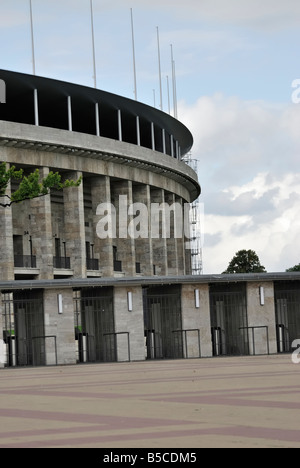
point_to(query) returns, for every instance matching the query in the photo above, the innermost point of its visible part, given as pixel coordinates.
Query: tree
(295, 268)
(245, 261)
(29, 186)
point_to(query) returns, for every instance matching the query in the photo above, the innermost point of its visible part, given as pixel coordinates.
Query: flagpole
(174, 83)
(93, 44)
(175, 91)
(168, 88)
(32, 38)
(133, 53)
(159, 69)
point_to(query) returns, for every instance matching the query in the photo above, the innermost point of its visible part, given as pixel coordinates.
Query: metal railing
(20, 352)
(115, 337)
(24, 261)
(62, 263)
(186, 343)
(117, 266)
(92, 264)
(252, 330)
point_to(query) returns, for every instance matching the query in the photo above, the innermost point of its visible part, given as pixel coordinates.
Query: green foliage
(245, 261)
(295, 268)
(30, 186)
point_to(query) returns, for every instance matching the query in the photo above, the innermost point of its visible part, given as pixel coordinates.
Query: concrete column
(101, 194)
(261, 316)
(36, 107)
(153, 136)
(59, 323)
(164, 141)
(6, 241)
(120, 125)
(122, 198)
(97, 119)
(187, 253)
(181, 243)
(143, 244)
(193, 318)
(2, 346)
(70, 123)
(172, 244)
(197, 318)
(138, 131)
(159, 242)
(74, 226)
(129, 321)
(172, 145)
(40, 230)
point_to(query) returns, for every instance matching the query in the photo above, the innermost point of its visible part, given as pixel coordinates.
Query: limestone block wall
(61, 325)
(261, 316)
(6, 244)
(70, 219)
(129, 321)
(196, 318)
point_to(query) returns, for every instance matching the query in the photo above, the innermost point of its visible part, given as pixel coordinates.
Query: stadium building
(102, 272)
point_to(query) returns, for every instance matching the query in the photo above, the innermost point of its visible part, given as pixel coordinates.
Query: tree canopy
(295, 268)
(29, 186)
(245, 261)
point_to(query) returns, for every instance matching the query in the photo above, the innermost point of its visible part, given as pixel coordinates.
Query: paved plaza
(222, 402)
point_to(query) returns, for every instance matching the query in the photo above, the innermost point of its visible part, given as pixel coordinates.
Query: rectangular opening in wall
(23, 329)
(287, 308)
(163, 322)
(94, 325)
(229, 319)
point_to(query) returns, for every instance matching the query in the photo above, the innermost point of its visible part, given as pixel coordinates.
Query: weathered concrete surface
(236, 402)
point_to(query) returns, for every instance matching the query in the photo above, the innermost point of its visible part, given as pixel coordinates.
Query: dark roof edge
(145, 281)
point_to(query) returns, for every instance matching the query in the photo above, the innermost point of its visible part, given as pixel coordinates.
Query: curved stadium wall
(125, 151)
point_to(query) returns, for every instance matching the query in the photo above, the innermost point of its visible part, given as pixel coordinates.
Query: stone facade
(105, 295)
(261, 313)
(128, 308)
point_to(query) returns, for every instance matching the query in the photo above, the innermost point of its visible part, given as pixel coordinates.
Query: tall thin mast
(93, 45)
(168, 88)
(133, 53)
(174, 83)
(175, 91)
(32, 38)
(159, 70)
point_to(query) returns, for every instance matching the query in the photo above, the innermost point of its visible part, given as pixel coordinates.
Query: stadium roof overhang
(53, 110)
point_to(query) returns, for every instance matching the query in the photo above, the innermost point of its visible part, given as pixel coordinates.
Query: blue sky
(253, 57)
(235, 61)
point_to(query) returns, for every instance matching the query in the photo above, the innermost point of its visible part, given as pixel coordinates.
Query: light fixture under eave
(130, 303)
(197, 298)
(262, 295)
(60, 304)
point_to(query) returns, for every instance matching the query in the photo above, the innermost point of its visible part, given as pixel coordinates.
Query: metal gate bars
(163, 323)
(94, 325)
(228, 308)
(23, 329)
(287, 306)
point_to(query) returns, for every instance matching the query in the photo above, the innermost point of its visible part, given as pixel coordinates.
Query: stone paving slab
(223, 402)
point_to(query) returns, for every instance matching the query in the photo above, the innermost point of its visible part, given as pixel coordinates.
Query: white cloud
(275, 236)
(249, 172)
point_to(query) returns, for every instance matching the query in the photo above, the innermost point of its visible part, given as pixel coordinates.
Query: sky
(236, 61)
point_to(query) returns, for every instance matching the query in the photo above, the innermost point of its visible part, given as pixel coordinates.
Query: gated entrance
(94, 322)
(23, 329)
(163, 323)
(228, 306)
(287, 306)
